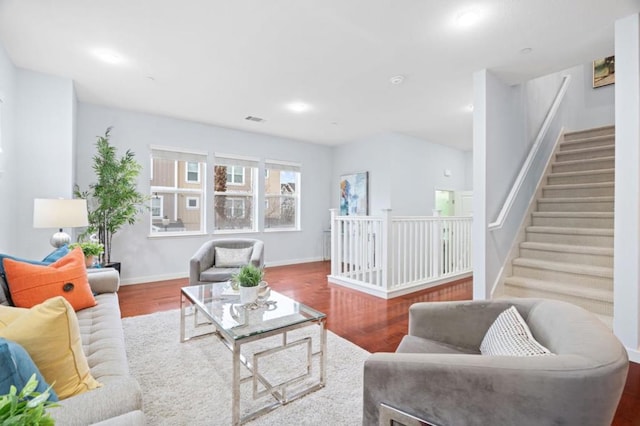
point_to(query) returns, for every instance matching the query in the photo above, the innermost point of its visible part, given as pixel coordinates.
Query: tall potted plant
(113, 200)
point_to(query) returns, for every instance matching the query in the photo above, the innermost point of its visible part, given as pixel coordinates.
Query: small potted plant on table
(92, 251)
(248, 278)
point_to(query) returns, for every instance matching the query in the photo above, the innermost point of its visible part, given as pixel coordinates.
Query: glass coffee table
(236, 324)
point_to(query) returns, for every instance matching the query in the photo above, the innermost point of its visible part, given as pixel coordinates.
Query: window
(235, 175)
(235, 189)
(156, 206)
(282, 195)
(193, 203)
(193, 172)
(176, 191)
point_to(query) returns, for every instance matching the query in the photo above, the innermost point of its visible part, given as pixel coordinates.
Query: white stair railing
(389, 256)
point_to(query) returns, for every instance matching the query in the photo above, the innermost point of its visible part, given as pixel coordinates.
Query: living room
(50, 121)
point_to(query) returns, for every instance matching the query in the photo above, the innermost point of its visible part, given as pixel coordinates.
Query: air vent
(252, 118)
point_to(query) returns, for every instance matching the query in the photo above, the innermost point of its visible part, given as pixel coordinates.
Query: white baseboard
(153, 278)
(293, 261)
(634, 355)
(164, 277)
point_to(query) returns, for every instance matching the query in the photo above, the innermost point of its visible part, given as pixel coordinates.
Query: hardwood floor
(374, 324)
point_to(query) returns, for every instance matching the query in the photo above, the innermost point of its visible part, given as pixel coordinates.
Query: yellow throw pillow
(51, 335)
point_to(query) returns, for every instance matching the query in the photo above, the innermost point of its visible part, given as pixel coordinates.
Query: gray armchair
(205, 266)
(438, 375)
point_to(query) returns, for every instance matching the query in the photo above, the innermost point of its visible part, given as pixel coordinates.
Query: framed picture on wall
(354, 194)
(604, 71)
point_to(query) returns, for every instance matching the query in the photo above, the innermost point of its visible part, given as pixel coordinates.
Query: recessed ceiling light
(298, 107)
(468, 18)
(526, 50)
(397, 79)
(109, 56)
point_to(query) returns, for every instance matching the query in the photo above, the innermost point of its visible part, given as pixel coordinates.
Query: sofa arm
(257, 255)
(103, 280)
(483, 390)
(461, 323)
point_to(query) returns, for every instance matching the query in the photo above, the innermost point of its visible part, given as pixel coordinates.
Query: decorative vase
(89, 261)
(248, 294)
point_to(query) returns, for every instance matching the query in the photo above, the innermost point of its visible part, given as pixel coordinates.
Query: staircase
(568, 249)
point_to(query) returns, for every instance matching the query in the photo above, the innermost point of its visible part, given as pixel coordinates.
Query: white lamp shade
(59, 213)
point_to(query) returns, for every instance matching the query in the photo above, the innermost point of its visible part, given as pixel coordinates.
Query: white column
(626, 276)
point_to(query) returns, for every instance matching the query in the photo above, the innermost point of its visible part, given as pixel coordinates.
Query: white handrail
(508, 203)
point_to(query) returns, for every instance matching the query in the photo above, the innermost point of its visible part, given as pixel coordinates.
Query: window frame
(233, 190)
(186, 203)
(186, 172)
(283, 166)
(177, 155)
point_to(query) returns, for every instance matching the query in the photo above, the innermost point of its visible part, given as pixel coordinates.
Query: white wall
(468, 167)
(9, 156)
(626, 276)
(148, 259)
(404, 172)
(44, 122)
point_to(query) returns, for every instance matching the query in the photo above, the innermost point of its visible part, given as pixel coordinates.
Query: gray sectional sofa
(119, 400)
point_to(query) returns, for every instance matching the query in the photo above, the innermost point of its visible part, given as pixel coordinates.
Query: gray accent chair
(438, 374)
(202, 266)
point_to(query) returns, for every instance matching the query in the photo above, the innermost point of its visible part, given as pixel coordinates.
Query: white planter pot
(248, 294)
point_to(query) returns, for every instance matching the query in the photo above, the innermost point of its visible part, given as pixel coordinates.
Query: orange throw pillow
(33, 284)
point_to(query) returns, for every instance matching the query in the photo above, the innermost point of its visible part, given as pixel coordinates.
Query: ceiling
(219, 61)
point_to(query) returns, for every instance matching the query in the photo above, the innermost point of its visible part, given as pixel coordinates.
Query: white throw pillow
(232, 257)
(509, 335)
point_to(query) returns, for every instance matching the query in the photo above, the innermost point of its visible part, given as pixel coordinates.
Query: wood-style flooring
(374, 324)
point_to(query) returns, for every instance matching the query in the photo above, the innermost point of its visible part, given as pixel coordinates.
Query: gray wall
(152, 258)
(404, 172)
(9, 156)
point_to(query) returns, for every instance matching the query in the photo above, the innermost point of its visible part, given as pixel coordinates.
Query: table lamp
(59, 213)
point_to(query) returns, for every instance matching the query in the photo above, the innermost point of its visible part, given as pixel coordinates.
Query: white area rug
(190, 383)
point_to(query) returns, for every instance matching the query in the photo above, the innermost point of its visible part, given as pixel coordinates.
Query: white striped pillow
(509, 335)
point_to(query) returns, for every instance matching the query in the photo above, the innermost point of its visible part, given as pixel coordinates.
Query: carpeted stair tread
(580, 173)
(597, 215)
(572, 268)
(600, 199)
(588, 150)
(586, 160)
(570, 231)
(572, 290)
(595, 132)
(579, 185)
(567, 248)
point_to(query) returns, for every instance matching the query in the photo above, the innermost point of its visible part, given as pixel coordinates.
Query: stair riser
(576, 240)
(604, 151)
(594, 178)
(591, 133)
(588, 281)
(565, 147)
(597, 206)
(574, 222)
(579, 258)
(583, 166)
(595, 306)
(605, 191)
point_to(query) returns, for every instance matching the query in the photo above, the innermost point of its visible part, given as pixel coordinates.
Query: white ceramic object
(248, 294)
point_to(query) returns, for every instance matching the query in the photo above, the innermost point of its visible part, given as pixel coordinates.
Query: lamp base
(59, 239)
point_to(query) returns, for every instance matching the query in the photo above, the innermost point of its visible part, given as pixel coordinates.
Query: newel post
(387, 240)
(334, 242)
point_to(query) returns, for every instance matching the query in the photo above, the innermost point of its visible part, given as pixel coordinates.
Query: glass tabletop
(221, 303)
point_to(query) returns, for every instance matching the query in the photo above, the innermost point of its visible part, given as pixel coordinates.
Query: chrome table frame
(277, 391)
